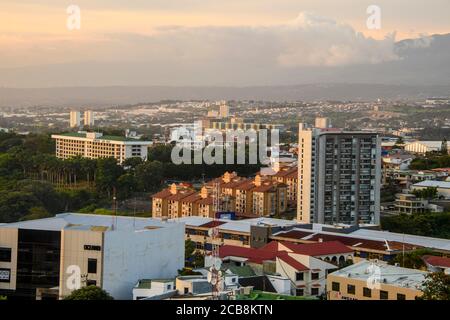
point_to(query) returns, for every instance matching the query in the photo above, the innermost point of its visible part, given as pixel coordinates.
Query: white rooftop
(388, 274)
(433, 183)
(81, 221)
(237, 225)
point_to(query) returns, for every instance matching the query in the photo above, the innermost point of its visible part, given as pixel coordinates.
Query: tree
(399, 141)
(413, 259)
(431, 224)
(189, 249)
(444, 147)
(89, 293)
(107, 174)
(36, 213)
(428, 193)
(436, 286)
(199, 260)
(149, 175)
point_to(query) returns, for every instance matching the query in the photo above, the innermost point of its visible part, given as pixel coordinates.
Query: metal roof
(91, 222)
(387, 274)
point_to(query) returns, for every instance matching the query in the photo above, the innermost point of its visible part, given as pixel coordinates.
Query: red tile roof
(284, 256)
(319, 248)
(253, 255)
(248, 185)
(162, 194)
(192, 198)
(436, 261)
(212, 224)
(348, 241)
(207, 200)
(180, 195)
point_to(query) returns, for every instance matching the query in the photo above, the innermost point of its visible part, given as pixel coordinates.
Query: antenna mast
(215, 273)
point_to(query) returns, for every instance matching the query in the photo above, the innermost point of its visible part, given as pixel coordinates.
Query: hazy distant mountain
(423, 69)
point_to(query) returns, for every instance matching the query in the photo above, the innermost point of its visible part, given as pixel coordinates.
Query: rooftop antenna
(215, 275)
(134, 214)
(114, 209)
(403, 251)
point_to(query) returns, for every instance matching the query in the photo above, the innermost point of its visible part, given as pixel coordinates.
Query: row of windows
(367, 292)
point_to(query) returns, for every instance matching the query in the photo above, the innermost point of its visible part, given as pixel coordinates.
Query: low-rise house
(442, 187)
(409, 204)
(154, 289)
(305, 266)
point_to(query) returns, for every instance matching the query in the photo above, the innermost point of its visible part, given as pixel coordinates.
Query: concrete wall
(73, 253)
(149, 254)
(8, 239)
(410, 293)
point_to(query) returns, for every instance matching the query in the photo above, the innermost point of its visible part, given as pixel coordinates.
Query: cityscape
(308, 181)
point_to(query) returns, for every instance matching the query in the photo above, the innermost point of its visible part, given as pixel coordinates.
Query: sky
(192, 33)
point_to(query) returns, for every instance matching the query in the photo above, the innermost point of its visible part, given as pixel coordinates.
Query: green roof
(243, 271)
(73, 134)
(107, 137)
(260, 295)
(116, 138)
(147, 283)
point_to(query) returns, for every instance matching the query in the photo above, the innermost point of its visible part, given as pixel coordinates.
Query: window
(186, 290)
(5, 255)
(384, 295)
(335, 286)
(401, 296)
(92, 265)
(299, 276)
(5, 275)
(299, 292)
(351, 289)
(169, 287)
(91, 283)
(314, 276)
(315, 291)
(367, 292)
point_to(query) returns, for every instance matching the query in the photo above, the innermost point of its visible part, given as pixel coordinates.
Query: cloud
(307, 49)
(310, 40)
(307, 41)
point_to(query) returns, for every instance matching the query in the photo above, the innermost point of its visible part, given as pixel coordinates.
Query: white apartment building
(75, 119)
(89, 118)
(339, 176)
(95, 145)
(45, 258)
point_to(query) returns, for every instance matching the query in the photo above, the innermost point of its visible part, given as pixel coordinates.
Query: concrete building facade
(54, 256)
(95, 145)
(339, 176)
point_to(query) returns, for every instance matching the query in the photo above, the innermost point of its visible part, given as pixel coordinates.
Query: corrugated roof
(433, 184)
(436, 261)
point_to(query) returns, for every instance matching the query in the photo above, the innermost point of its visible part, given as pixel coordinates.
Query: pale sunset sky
(285, 32)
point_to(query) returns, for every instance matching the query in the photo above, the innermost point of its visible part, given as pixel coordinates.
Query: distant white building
(443, 187)
(89, 118)
(95, 145)
(75, 119)
(422, 147)
(224, 111)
